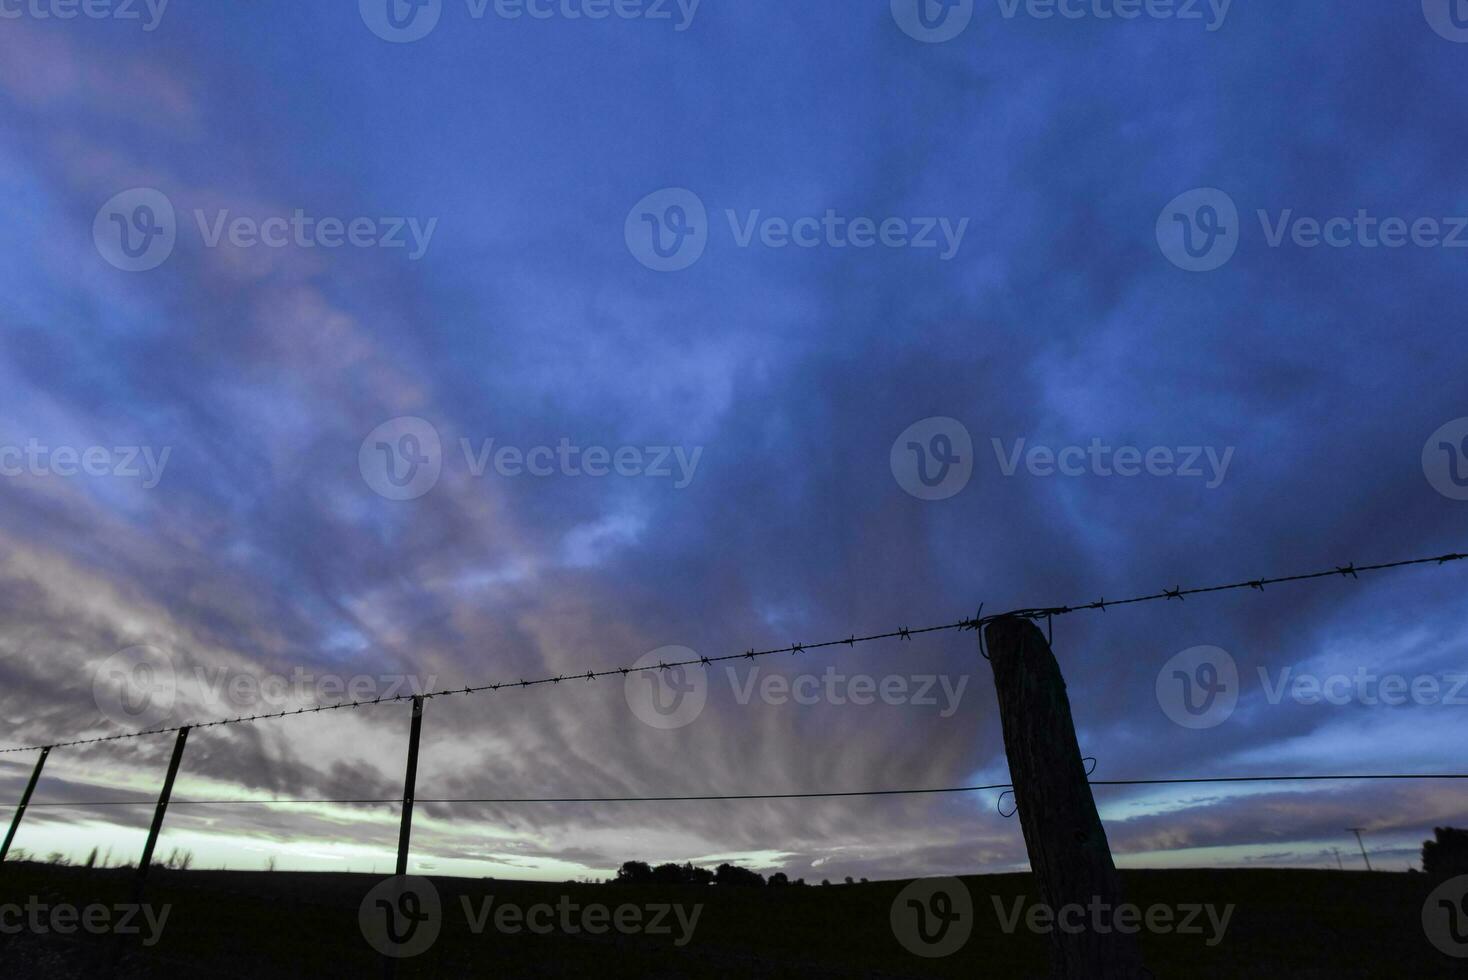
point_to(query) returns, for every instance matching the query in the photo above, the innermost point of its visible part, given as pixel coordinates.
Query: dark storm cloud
(263, 550)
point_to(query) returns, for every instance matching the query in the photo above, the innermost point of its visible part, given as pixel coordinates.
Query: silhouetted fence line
(1065, 839)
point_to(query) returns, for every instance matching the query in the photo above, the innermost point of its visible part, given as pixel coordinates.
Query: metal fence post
(178, 748)
(410, 784)
(24, 802)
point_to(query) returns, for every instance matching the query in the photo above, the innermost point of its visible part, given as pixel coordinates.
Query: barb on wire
(904, 633)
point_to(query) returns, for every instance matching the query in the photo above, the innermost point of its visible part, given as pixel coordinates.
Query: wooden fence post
(1067, 845)
(410, 785)
(25, 801)
(163, 798)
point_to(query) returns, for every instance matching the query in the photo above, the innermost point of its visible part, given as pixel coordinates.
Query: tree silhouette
(1447, 854)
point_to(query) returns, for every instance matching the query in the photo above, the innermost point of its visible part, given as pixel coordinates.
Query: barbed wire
(978, 622)
(711, 798)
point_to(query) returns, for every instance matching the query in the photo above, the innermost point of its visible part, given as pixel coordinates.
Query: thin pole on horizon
(146, 861)
(25, 801)
(410, 785)
(1362, 844)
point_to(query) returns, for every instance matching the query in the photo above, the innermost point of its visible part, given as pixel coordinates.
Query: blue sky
(757, 394)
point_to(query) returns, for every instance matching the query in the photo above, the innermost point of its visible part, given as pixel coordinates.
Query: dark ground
(240, 924)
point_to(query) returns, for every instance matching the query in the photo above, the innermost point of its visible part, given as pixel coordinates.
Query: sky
(413, 347)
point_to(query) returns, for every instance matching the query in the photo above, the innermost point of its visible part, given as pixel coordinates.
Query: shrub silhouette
(642, 873)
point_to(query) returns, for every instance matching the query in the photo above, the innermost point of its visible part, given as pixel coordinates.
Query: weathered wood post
(25, 801)
(1067, 845)
(410, 785)
(405, 830)
(140, 879)
(158, 814)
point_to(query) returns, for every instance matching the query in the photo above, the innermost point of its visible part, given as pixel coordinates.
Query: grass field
(239, 924)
